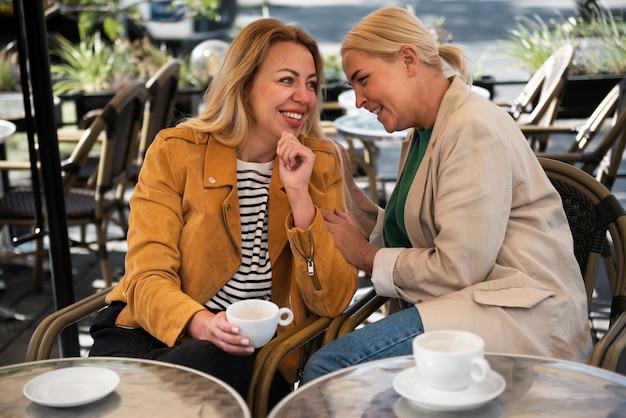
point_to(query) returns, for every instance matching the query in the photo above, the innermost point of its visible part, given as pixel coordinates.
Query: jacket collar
(220, 165)
(220, 170)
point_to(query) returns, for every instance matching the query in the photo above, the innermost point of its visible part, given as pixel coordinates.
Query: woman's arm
(327, 282)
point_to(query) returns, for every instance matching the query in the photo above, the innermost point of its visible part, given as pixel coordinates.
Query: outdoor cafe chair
(309, 335)
(538, 102)
(597, 220)
(602, 157)
(102, 196)
(118, 125)
(18, 212)
(162, 88)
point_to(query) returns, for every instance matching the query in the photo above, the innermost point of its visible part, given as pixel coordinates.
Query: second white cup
(449, 359)
(257, 319)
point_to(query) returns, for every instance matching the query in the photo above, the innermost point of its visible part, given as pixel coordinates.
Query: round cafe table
(146, 389)
(535, 387)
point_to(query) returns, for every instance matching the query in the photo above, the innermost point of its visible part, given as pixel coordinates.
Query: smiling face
(385, 87)
(282, 94)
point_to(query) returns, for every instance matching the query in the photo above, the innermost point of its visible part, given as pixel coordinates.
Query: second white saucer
(410, 385)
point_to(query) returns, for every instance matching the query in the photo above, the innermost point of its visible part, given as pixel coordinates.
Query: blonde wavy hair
(227, 115)
(384, 32)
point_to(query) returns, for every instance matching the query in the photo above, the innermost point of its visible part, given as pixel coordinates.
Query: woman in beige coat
(474, 236)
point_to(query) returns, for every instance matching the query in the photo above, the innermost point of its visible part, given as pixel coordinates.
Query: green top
(394, 229)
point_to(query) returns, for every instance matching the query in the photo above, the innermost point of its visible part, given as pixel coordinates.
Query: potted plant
(12, 99)
(89, 73)
(106, 56)
(599, 59)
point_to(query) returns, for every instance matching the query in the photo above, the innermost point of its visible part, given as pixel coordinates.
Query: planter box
(583, 93)
(187, 104)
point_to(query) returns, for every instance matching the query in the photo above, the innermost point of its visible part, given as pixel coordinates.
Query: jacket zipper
(309, 260)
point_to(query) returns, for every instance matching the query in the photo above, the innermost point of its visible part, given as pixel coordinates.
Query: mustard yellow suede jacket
(184, 241)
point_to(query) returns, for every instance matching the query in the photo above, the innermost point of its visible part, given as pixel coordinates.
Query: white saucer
(410, 385)
(71, 386)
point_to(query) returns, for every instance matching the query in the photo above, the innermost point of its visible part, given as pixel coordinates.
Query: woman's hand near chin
(296, 166)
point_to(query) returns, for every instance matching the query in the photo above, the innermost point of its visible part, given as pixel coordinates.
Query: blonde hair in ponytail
(384, 32)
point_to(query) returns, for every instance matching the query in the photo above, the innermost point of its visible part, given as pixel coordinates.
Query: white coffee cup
(449, 359)
(257, 319)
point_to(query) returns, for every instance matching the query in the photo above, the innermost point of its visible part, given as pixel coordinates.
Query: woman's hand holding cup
(257, 319)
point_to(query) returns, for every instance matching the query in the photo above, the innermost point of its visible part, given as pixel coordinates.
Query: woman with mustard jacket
(227, 207)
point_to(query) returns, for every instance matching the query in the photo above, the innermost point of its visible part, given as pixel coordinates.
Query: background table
(365, 127)
(7, 129)
(534, 387)
(146, 389)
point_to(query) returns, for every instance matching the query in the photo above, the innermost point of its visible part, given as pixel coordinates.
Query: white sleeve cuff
(382, 272)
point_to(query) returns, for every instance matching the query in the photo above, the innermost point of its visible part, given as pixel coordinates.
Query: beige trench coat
(491, 252)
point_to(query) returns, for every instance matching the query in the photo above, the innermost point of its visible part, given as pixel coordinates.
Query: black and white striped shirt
(253, 279)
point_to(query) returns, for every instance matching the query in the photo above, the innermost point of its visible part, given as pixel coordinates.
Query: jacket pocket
(518, 292)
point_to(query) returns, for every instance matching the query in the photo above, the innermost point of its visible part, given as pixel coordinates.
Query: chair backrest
(123, 117)
(604, 111)
(117, 125)
(603, 160)
(162, 88)
(610, 150)
(592, 212)
(546, 86)
(598, 224)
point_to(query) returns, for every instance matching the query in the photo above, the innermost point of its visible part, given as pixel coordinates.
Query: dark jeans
(113, 341)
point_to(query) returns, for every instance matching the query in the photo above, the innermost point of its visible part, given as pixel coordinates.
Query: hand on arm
(349, 239)
(296, 166)
(205, 325)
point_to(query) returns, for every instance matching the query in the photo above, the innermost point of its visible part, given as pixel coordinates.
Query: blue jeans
(389, 337)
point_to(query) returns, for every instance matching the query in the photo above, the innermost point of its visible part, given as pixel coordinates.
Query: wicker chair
(308, 335)
(102, 196)
(117, 127)
(593, 214)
